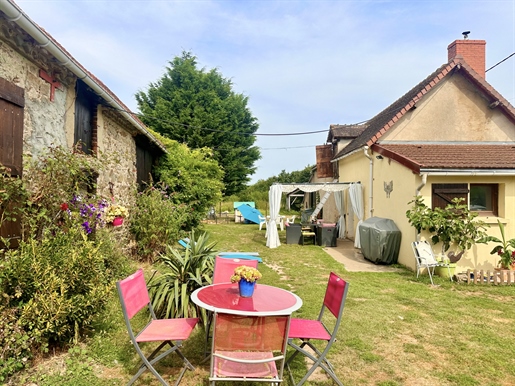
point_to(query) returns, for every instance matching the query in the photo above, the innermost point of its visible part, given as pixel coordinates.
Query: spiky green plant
(180, 273)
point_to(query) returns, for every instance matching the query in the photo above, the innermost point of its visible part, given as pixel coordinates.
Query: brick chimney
(473, 51)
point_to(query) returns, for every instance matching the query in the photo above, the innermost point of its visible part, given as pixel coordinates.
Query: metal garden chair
(134, 297)
(306, 330)
(425, 258)
(248, 348)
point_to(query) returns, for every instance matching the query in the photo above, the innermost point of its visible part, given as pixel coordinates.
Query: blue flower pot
(246, 288)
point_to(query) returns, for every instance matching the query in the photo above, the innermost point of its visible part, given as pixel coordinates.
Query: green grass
(397, 329)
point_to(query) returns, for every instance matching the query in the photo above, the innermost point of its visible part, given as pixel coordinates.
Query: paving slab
(353, 259)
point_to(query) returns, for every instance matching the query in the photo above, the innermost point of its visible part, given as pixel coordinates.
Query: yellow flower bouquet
(247, 273)
(113, 211)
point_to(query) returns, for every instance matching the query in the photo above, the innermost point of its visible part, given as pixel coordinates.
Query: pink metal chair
(248, 348)
(224, 268)
(222, 272)
(134, 297)
(307, 330)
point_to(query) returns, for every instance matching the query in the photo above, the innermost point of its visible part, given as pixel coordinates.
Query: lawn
(396, 330)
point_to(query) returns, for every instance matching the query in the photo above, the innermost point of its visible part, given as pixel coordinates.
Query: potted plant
(505, 249)
(454, 226)
(114, 214)
(246, 278)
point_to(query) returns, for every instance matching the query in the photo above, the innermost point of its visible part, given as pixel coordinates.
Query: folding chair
(307, 330)
(248, 348)
(224, 267)
(306, 234)
(134, 297)
(222, 272)
(425, 258)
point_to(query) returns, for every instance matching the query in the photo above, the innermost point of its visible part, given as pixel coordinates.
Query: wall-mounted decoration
(388, 188)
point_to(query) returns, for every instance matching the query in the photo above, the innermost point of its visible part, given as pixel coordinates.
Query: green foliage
(454, 225)
(182, 272)
(57, 285)
(57, 280)
(199, 108)
(191, 177)
(15, 343)
(505, 248)
(157, 221)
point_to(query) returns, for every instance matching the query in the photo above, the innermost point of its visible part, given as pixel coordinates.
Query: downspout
(371, 181)
(417, 193)
(419, 188)
(15, 15)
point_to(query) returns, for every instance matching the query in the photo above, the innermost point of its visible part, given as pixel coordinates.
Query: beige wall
(453, 112)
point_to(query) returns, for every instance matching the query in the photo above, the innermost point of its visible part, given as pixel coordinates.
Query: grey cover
(380, 240)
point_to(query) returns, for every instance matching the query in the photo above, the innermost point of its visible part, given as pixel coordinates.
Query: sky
(303, 65)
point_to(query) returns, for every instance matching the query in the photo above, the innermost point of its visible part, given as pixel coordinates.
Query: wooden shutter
(443, 194)
(12, 102)
(324, 153)
(11, 126)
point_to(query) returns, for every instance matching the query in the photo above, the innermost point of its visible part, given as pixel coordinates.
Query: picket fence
(497, 277)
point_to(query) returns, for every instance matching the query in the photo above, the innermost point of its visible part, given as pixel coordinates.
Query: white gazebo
(355, 196)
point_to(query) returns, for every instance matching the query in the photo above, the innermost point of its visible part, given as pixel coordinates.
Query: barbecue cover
(380, 240)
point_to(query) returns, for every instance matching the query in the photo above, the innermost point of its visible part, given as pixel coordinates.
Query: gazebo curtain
(276, 191)
(356, 200)
(340, 207)
(274, 197)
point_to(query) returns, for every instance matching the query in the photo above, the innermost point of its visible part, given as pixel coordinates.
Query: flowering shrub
(247, 273)
(88, 214)
(113, 211)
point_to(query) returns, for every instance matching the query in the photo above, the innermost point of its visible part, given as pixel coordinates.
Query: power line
(219, 131)
(495, 65)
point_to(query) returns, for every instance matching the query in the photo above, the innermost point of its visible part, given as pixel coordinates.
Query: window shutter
(443, 194)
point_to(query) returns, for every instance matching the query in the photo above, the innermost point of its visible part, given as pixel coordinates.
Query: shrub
(157, 221)
(57, 285)
(182, 272)
(15, 343)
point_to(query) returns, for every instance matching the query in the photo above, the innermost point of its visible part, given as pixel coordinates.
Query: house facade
(452, 135)
(49, 99)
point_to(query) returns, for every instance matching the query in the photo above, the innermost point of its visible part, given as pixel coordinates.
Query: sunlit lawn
(397, 330)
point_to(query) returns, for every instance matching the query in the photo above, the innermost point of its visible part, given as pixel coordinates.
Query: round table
(267, 300)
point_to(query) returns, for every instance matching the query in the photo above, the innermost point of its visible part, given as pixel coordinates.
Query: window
(482, 198)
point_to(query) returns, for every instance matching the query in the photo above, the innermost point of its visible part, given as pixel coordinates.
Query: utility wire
(495, 65)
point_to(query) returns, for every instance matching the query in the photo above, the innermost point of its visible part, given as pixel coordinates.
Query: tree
(192, 177)
(199, 108)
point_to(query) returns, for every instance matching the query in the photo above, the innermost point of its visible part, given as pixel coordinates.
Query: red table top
(267, 300)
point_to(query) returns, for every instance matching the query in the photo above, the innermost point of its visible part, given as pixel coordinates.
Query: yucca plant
(180, 273)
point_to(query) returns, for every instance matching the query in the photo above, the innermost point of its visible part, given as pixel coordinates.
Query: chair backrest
(133, 293)
(423, 252)
(250, 333)
(335, 295)
(224, 268)
(249, 347)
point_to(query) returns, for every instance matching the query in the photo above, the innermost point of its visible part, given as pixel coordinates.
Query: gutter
(17, 16)
(469, 172)
(371, 181)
